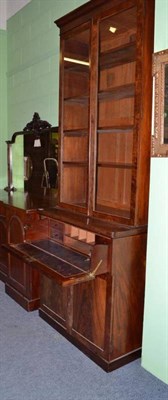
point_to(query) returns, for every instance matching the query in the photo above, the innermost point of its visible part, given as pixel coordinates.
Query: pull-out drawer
(65, 265)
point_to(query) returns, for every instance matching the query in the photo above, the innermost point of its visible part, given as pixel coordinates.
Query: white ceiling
(9, 8)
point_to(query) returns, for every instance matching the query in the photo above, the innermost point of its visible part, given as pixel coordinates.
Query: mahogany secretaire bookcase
(92, 261)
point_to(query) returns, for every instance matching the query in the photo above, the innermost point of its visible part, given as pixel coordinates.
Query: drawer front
(56, 231)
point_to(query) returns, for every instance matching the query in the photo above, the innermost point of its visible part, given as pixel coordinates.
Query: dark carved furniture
(92, 260)
(38, 144)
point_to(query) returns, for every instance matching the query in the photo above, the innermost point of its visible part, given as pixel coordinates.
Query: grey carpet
(37, 363)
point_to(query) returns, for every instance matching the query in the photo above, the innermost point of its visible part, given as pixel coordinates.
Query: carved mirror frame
(160, 96)
(36, 127)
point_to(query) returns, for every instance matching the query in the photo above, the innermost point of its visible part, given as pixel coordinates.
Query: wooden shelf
(73, 133)
(78, 99)
(115, 129)
(75, 163)
(118, 56)
(114, 165)
(79, 68)
(125, 213)
(119, 92)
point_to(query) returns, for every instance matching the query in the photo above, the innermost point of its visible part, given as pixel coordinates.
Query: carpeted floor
(37, 363)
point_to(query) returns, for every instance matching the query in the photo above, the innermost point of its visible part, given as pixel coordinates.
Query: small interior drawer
(56, 231)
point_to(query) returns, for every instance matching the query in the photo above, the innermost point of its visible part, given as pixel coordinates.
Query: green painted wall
(33, 67)
(161, 25)
(3, 107)
(155, 331)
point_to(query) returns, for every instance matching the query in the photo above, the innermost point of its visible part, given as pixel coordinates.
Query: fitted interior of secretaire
(72, 236)
(115, 118)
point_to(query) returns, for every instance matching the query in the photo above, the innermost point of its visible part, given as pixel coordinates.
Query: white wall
(9, 8)
(155, 331)
(3, 12)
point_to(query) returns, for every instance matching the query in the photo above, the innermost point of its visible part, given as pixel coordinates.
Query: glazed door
(115, 117)
(74, 118)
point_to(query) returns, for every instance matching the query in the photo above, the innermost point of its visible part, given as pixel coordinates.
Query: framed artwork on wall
(160, 95)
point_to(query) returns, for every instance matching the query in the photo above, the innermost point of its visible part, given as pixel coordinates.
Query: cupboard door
(75, 121)
(54, 300)
(115, 121)
(89, 313)
(3, 253)
(18, 270)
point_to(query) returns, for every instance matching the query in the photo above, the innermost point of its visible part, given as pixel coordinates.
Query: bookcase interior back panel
(75, 148)
(117, 76)
(116, 113)
(76, 80)
(80, 79)
(115, 146)
(76, 177)
(114, 190)
(123, 29)
(80, 110)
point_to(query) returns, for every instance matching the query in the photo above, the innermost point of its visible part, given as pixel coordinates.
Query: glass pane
(113, 190)
(74, 185)
(76, 81)
(115, 146)
(75, 148)
(76, 89)
(115, 121)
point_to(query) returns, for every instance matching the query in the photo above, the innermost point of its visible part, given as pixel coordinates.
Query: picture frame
(160, 104)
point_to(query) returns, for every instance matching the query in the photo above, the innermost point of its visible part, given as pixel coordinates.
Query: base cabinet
(22, 281)
(103, 317)
(19, 286)
(87, 283)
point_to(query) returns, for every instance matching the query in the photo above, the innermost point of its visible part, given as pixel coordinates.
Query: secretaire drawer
(56, 230)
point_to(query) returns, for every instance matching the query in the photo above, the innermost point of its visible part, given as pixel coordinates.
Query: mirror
(37, 149)
(28, 168)
(160, 127)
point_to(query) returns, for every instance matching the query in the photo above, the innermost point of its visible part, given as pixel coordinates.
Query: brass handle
(27, 227)
(28, 259)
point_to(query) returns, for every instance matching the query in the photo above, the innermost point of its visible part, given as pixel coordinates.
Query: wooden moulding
(159, 146)
(105, 365)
